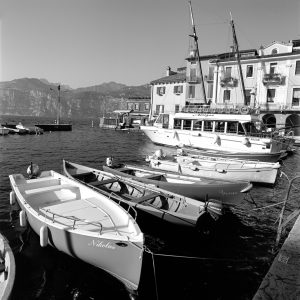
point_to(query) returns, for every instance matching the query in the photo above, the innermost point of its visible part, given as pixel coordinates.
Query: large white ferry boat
(213, 128)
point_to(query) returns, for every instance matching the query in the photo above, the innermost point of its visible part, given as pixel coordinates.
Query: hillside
(38, 97)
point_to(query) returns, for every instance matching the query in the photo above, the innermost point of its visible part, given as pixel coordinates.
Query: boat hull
(228, 193)
(55, 127)
(219, 170)
(116, 254)
(211, 141)
(7, 278)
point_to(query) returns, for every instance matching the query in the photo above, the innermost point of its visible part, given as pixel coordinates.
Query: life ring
(236, 111)
(244, 110)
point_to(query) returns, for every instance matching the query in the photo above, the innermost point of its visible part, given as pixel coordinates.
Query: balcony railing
(228, 82)
(193, 79)
(273, 79)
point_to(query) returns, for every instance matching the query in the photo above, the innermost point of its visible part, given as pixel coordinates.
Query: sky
(83, 43)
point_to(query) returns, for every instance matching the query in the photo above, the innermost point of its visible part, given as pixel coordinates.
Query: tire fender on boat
(22, 217)
(12, 198)
(245, 141)
(217, 139)
(44, 236)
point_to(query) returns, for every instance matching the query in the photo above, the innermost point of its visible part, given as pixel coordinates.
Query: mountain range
(38, 97)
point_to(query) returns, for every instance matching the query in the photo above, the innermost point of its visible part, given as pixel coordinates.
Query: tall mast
(194, 36)
(236, 49)
(58, 106)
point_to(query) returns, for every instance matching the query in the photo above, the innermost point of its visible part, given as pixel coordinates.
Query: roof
(126, 111)
(178, 77)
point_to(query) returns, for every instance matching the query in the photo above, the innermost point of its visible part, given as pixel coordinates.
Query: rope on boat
(154, 271)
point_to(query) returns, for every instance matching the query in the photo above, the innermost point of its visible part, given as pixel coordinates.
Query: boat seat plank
(151, 176)
(49, 189)
(103, 182)
(123, 169)
(143, 198)
(83, 174)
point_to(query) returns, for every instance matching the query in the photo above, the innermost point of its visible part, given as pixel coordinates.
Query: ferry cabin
(215, 131)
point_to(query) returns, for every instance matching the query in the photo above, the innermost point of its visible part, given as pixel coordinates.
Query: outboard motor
(33, 171)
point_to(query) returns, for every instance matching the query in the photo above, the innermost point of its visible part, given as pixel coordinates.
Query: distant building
(140, 109)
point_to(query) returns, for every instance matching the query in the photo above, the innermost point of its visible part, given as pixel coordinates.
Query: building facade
(271, 77)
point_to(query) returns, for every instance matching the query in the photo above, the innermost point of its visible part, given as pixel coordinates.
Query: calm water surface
(230, 264)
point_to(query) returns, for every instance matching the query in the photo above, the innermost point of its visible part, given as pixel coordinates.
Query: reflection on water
(230, 264)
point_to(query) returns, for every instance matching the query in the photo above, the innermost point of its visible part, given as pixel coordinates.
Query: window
(219, 126)
(249, 72)
(270, 95)
(193, 76)
(160, 90)
(273, 68)
(296, 97)
(297, 70)
(159, 109)
(176, 108)
(191, 91)
(232, 127)
(177, 123)
(208, 125)
(187, 124)
(147, 106)
(136, 106)
(197, 125)
(274, 51)
(226, 95)
(210, 90)
(178, 89)
(130, 105)
(228, 72)
(248, 96)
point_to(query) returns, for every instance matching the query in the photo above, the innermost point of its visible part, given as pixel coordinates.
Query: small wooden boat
(265, 157)
(7, 269)
(216, 168)
(227, 192)
(165, 205)
(4, 130)
(79, 221)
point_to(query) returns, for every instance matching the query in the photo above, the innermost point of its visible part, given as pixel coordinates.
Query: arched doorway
(293, 121)
(269, 120)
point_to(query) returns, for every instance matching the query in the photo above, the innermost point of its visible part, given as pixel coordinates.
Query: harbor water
(230, 263)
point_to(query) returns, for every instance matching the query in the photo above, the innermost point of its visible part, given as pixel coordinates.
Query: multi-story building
(271, 78)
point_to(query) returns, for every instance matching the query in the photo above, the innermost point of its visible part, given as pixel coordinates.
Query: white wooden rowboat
(82, 223)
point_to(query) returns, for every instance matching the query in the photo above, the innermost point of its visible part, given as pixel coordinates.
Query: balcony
(273, 79)
(209, 78)
(193, 79)
(228, 82)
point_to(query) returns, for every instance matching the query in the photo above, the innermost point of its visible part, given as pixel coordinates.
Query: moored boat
(265, 157)
(214, 129)
(82, 223)
(30, 129)
(217, 168)
(227, 192)
(7, 269)
(159, 203)
(4, 130)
